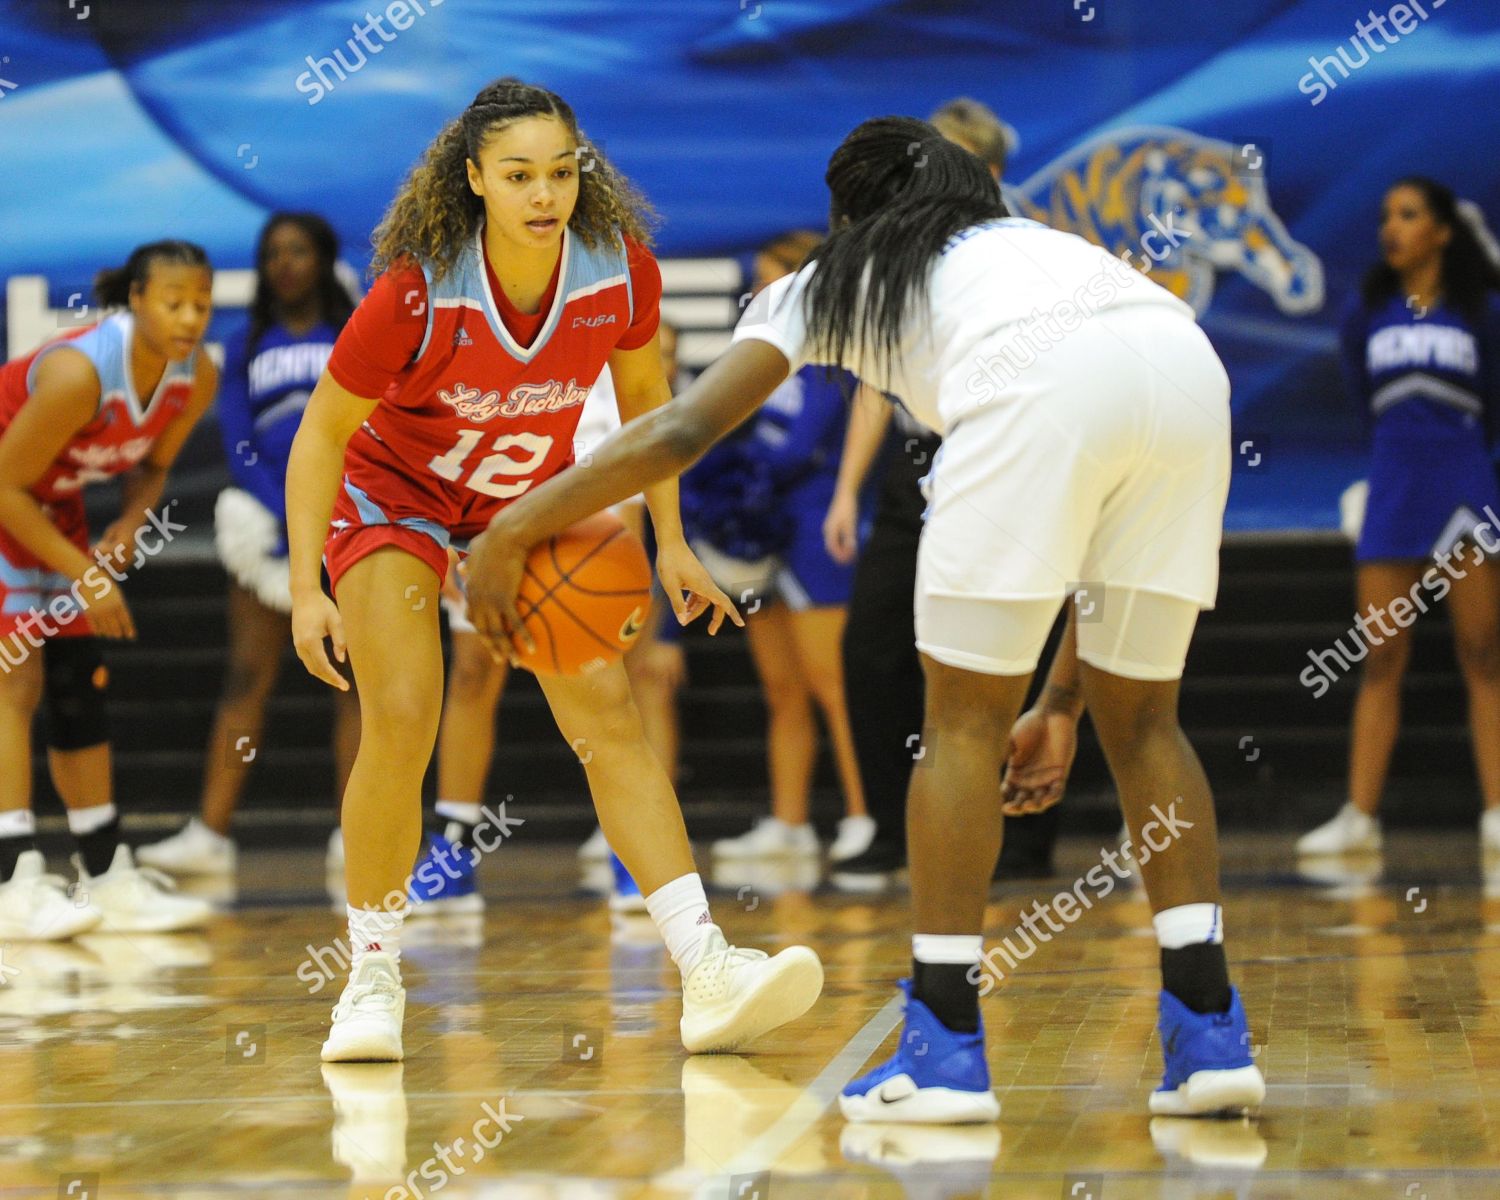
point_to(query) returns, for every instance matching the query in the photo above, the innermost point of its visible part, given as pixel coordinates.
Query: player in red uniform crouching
(515, 268)
(119, 397)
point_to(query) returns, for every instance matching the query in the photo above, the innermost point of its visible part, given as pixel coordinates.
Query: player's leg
(816, 591)
(79, 753)
(21, 683)
(465, 748)
(1131, 669)
(729, 995)
(466, 735)
(258, 636)
(977, 656)
(345, 737)
(657, 666)
(389, 603)
(1377, 711)
(32, 906)
(791, 742)
(345, 747)
(818, 633)
(1474, 608)
(656, 663)
(882, 669)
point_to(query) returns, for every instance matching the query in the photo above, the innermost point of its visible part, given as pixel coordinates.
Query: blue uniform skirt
(1425, 495)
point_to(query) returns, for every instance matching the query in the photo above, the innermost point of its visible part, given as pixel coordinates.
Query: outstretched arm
(640, 388)
(661, 444)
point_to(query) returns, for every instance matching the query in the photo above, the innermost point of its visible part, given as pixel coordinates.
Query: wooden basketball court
(543, 1060)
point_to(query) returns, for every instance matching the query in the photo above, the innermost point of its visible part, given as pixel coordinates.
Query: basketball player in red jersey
(514, 268)
(119, 397)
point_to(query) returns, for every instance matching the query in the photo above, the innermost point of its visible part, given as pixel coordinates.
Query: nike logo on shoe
(904, 1088)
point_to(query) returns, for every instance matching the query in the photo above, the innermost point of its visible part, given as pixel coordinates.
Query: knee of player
(401, 710)
(1386, 663)
(1137, 722)
(249, 679)
(828, 691)
(1479, 655)
(785, 691)
(21, 685)
(475, 678)
(616, 728)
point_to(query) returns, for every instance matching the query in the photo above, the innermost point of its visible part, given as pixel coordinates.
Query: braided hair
(899, 191)
(435, 213)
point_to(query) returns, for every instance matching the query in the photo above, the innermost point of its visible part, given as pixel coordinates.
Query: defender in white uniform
(1085, 420)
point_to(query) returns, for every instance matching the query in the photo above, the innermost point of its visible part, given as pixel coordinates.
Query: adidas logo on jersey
(462, 338)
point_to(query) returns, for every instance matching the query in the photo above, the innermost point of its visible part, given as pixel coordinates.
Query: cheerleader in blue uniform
(300, 305)
(1421, 351)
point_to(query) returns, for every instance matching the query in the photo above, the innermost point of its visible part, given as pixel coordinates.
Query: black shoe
(879, 858)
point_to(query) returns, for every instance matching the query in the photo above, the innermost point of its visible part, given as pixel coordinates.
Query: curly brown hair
(436, 212)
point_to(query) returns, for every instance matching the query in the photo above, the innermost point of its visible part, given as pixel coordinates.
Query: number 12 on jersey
(534, 446)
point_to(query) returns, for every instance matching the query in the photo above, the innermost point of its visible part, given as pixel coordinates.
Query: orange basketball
(585, 597)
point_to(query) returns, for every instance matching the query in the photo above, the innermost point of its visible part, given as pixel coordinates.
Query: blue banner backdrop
(1266, 131)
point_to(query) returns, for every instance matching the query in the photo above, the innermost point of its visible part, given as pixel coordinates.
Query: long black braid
(899, 191)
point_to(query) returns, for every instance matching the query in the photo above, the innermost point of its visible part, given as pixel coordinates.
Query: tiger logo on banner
(1121, 190)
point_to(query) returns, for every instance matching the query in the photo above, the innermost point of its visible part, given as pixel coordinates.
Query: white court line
(805, 1112)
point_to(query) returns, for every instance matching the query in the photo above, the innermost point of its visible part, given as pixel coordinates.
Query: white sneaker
(35, 906)
(1349, 832)
(854, 838)
(1489, 831)
(367, 1018)
(734, 995)
(596, 849)
(194, 850)
(132, 899)
(770, 838)
(335, 859)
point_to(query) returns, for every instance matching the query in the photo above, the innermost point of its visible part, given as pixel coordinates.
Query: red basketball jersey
(124, 430)
(474, 416)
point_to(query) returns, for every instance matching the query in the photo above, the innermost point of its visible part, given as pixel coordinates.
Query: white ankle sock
(457, 810)
(958, 949)
(1189, 925)
(83, 821)
(373, 929)
(680, 910)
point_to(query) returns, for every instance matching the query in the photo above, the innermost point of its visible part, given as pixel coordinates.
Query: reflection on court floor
(543, 1061)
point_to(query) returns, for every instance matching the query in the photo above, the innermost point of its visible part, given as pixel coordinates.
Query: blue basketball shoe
(937, 1077)
(443, 882)
(1209, 1068)
(626, 896)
